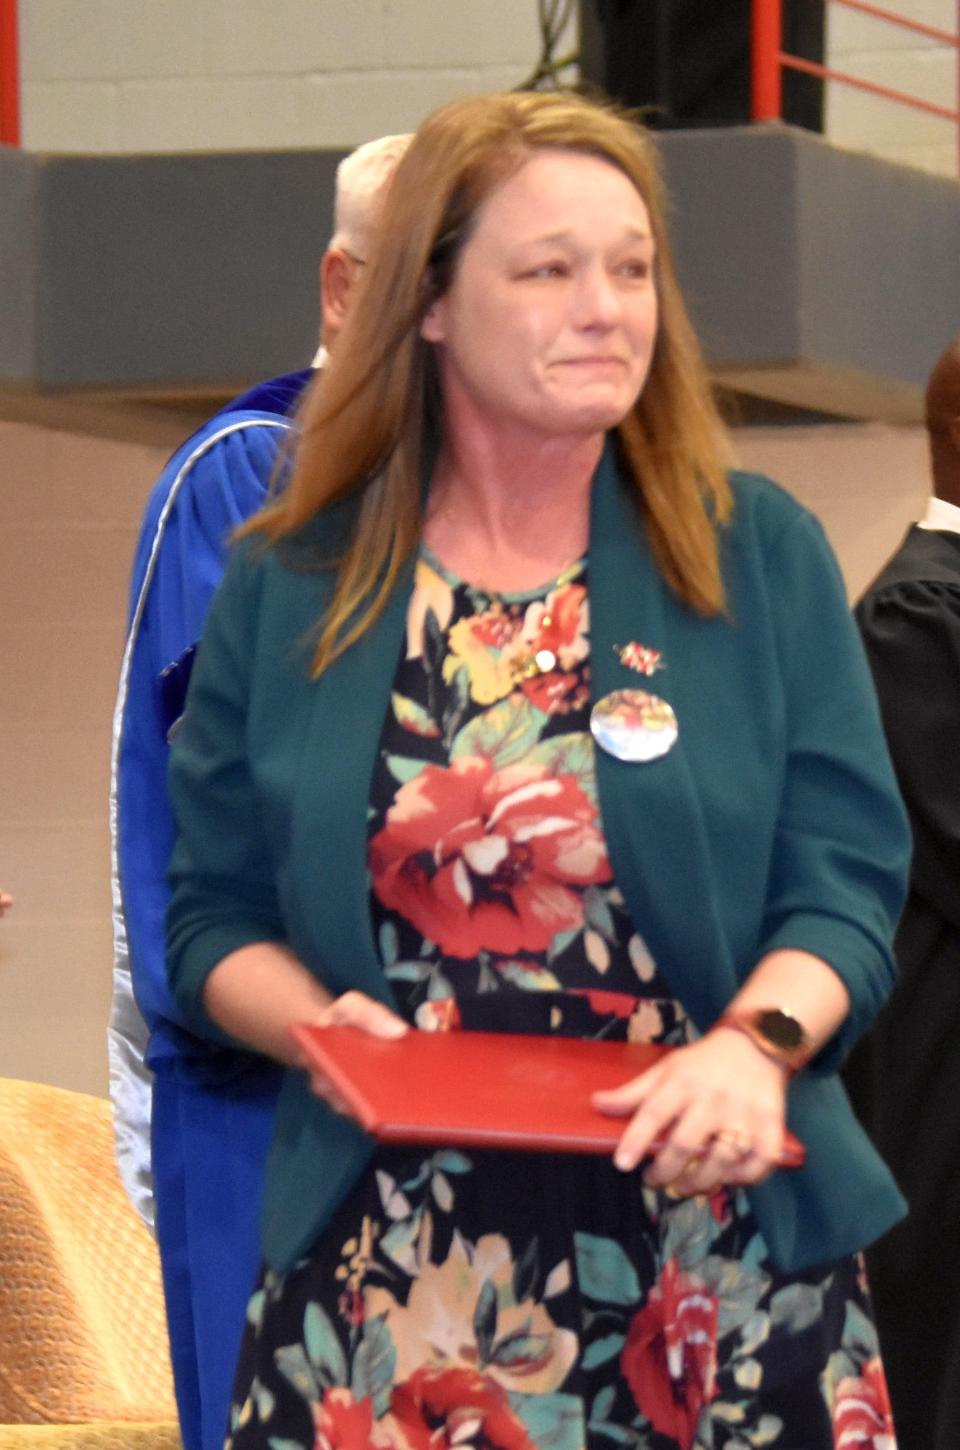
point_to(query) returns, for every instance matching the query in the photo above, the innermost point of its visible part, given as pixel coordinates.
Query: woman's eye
(547, 269)
(636, 267)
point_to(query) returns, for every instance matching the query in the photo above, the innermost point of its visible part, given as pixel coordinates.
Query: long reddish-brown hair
(367, 422)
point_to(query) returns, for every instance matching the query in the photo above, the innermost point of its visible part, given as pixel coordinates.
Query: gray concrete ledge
(817, 278)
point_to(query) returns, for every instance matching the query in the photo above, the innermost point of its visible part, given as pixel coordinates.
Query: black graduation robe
(905, 1076)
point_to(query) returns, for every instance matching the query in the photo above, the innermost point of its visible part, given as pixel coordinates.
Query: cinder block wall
(188, 75)
(874, 50)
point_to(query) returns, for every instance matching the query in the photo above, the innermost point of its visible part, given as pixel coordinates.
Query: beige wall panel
(56, 998)
(866, 484)
(70, 509)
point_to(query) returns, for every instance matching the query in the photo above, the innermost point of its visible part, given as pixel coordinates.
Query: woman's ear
(338, 272)
(432, 328)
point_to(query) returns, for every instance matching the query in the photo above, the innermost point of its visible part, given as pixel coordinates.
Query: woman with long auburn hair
(517, 713)
(372, 417)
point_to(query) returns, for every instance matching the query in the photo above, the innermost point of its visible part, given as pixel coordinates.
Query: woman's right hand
(354, 1009)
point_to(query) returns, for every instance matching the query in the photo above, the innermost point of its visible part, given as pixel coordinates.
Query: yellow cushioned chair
(84, 1363)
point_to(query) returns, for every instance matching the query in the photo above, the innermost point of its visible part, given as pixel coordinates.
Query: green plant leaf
(529, 979)
(503, 734)
(602, 1350)
(553, 1422)
(389, 944)
(291, 1361)
(485, 1320)
(797, 1306)
(374, 1364)
(604, 1272)
(323, 1346)
(414, 717)
(520, 1349)
(404, 768)
(571, 754)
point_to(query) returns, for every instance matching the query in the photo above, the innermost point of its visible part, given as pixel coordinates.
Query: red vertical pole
(766, 83)
(9, 75)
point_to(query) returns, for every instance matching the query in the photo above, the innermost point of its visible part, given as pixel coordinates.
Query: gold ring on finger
(740, 1142)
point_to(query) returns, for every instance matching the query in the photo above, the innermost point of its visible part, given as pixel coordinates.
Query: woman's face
(550, 321)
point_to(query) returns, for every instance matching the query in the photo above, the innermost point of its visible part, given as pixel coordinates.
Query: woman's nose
(598, 302)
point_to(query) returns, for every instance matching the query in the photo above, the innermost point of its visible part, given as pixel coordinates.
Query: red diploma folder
(483, 1089)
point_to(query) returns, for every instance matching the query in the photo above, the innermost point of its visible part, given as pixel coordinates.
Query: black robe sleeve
(911, 631)
(904, 1077)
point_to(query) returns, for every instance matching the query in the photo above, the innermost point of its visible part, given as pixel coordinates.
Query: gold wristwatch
(774, 1032)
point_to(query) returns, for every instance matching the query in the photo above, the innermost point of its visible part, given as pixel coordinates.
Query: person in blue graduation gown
(193, 1123)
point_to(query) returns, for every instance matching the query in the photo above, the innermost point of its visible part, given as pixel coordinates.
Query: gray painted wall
(815, 276)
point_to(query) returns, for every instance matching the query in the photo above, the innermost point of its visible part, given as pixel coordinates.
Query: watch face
(780, 1029)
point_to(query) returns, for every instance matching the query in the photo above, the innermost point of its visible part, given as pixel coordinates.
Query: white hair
(360, 180)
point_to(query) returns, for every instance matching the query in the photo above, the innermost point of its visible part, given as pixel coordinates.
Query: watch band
(774, 1032)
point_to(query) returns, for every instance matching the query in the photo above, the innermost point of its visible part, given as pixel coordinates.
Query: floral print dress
(505, 1300)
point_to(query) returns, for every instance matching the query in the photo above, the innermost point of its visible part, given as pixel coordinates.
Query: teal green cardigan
(774, 822)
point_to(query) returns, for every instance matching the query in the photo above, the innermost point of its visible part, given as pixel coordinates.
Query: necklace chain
(569, 570)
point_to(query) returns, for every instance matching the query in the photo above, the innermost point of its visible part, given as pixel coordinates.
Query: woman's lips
(593, 361)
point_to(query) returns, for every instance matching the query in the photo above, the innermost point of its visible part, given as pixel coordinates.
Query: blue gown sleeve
(210, 486)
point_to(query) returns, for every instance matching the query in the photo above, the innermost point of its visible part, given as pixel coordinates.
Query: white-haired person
(518, 713)
(192, 1122)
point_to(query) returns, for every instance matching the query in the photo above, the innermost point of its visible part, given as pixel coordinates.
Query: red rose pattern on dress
(441, 1408)
(670, 1357)
(862, 1415)
(479, 859)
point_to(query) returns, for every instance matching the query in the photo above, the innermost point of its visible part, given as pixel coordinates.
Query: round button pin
(634, 725)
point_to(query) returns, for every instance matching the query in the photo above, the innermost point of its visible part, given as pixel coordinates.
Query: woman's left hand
(715, 1110)
(353, 1009)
